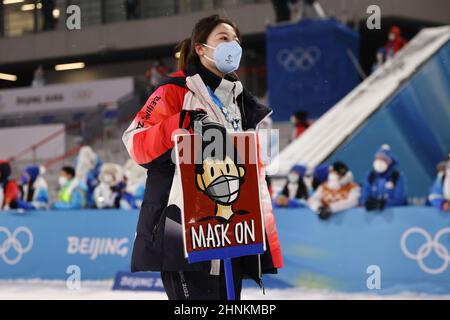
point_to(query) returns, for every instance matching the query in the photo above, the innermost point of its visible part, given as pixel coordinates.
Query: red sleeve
(149, 135)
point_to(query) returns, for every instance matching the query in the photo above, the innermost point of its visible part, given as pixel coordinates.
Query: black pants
(199, 285)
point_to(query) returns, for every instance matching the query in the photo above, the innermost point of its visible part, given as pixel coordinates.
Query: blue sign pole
(229, 278)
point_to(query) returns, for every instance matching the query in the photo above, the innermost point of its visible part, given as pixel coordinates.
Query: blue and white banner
(399, 249)
(45, 244)
(138, 281)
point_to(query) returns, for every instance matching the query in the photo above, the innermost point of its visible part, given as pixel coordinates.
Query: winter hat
(33, 171)
(299, 169)
(321, 173)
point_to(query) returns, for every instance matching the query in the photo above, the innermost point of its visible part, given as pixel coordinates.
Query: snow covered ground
(101, 290)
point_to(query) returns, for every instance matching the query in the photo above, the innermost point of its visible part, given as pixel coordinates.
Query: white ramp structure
(329, 132)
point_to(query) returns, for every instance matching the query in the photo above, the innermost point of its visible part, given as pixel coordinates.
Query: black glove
(194, 116)
(371, 204)
(324, 213)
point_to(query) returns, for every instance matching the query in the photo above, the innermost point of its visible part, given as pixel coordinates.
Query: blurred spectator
(72, 193)
(108, 192)
(47, 14)
(338, 193)
(301, 123)
(295, 192)
(131, 9)
(282, 10)
(441, 167)
(288, 10)
(395, 42)
(440, 191)
(135, 177)
(155, 75)
(87, 166)
(379, 59)
(384, 185)
(33, 189)
(9, 192)
(38, 77)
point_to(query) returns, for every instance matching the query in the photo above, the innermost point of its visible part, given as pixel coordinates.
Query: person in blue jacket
(440, 191)
(384, 186)
(73, 191)
(33, 189)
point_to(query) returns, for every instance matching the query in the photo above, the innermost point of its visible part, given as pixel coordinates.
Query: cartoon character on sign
(220, 179)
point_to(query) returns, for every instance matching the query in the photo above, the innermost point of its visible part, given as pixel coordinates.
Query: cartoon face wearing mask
(227, 56)
(220, 180)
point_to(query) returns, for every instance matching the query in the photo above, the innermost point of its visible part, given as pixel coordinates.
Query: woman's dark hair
(200, 34)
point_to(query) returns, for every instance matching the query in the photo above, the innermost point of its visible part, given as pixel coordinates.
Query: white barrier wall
(14, 140)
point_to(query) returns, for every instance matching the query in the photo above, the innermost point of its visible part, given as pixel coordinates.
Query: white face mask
(227, 56)
(62, 181)
(380, 166)
(293, 177)
(333, 181)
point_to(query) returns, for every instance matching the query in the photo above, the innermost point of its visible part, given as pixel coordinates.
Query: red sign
(221, 211)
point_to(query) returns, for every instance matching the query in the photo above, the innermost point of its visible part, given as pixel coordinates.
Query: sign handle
(229, 278)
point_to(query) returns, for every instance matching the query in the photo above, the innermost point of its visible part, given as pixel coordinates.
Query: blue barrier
(333, 254)
(336, 254)
(42, 244)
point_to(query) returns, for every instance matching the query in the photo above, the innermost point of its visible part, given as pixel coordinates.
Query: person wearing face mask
(337, 194)
(206, 88)
(9, 192)
(72, 194)
(395, 42)
(108, 193)
(384, 186)
(440, 191)
(295, 192)
(300, 122)
(33, 189)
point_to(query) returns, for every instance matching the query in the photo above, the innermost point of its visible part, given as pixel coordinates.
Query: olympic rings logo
(298, 59)
(426, 248)
(12, 242)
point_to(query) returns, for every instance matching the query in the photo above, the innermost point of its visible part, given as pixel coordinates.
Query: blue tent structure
(309, 66)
